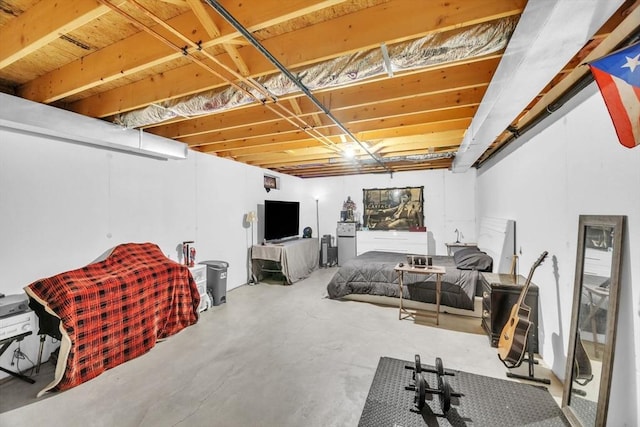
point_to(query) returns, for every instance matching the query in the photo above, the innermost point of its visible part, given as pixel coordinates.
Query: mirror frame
(618, 222)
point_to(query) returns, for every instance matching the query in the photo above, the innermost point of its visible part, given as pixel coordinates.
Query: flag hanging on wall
(618, 77)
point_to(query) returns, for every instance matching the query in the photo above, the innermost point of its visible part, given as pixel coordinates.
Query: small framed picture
(270, 182)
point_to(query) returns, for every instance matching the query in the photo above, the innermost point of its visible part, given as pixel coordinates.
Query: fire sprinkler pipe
(247, 35)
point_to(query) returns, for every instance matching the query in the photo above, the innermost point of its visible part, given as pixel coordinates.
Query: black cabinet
(499, 293)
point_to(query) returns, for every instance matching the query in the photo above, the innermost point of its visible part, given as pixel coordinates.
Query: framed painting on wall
(393, 208)
(270, 183)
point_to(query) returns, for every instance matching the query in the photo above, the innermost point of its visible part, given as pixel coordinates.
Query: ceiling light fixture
(349, 152)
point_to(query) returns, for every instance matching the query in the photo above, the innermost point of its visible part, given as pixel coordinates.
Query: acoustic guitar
(513, 339)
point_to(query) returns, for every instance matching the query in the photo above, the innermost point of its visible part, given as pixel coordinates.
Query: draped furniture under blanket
(114, 310)
(294, 259)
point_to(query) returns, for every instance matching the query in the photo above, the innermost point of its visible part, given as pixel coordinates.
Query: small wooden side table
(431, 269)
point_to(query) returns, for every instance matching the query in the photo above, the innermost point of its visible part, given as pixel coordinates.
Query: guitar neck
(525, 288)
(513, 339)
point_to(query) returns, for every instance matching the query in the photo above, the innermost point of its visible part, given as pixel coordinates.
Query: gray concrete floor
(272, 355)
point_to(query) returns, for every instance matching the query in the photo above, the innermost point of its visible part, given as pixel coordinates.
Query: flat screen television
(281, 219)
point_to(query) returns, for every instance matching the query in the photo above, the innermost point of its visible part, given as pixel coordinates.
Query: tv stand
(295, 259)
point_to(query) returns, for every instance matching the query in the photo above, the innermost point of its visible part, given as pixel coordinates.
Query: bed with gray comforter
(373, 273)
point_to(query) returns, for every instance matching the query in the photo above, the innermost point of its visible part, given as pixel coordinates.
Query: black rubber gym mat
(486, 401)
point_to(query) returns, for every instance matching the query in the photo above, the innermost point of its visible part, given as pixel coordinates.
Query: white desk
(407, 242)
(432, 269)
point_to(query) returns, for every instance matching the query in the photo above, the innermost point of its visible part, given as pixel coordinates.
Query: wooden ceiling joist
(190, 79)
(462, 78)
(45, 21)
(140, 52)
(142, 63)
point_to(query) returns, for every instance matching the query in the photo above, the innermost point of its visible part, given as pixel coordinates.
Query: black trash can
(217, 280)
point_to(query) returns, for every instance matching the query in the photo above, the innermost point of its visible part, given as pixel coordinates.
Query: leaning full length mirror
(593, 320)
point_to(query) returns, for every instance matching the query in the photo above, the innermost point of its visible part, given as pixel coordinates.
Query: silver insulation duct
(433, 49)
(407, 158)
(418, 158)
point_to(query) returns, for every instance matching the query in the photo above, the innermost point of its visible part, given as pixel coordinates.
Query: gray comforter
(372, 273)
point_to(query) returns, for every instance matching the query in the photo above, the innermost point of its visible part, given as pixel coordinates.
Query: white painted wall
(573, 164)
(63, 205)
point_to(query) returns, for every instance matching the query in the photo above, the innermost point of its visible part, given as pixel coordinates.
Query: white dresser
(199, 273)
(409, 242)
(597, 262)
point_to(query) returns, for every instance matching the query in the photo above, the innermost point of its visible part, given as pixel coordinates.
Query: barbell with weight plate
(443, 392)
(419, 367)
(421, 388)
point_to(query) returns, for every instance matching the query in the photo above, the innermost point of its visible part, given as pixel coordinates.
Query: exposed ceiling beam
(325, 40)
(473, 78)
(323, 170)
(418, 142)
(205, 19)
(527, 66)
(627, 26)
(46, 21)
(451, 105)
(140, 52)
(392, 126)
(197, 76)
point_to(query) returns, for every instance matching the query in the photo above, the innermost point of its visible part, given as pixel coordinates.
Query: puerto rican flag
(618, 77)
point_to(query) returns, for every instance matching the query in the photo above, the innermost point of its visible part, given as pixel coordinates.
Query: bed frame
(496, 237)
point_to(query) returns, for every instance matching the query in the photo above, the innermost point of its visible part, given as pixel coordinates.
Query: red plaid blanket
(115, 310)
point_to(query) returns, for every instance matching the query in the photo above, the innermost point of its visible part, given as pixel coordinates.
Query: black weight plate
(439, 367)
(444, 395)
(421, 391)
(418, 364)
